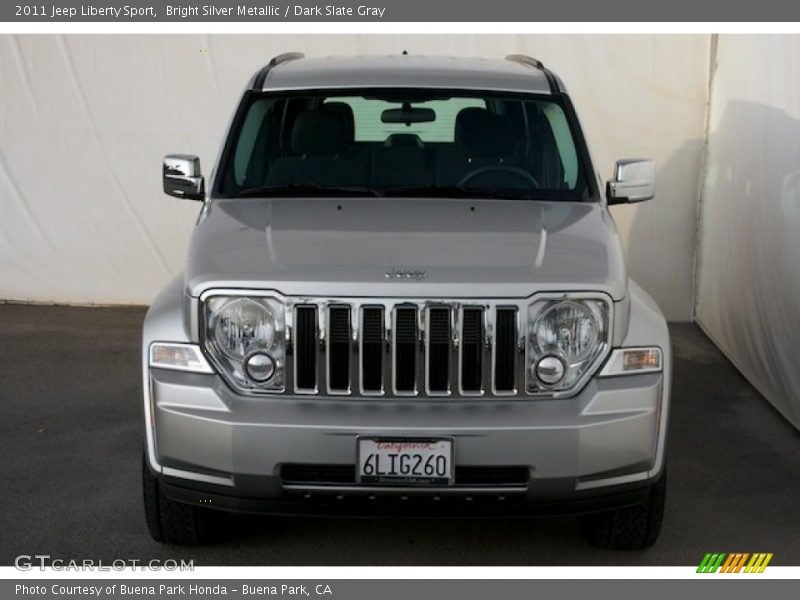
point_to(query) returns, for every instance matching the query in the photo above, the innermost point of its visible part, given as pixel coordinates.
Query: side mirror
(634, 181)
(182, 177)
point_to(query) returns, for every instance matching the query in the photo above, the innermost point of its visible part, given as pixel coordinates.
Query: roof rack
(529, 61)
(525, 60)
(285, 57)
(261, 76)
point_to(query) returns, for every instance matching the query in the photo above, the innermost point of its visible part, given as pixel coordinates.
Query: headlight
(243, 325)
(566, 328)
(245, 337)
(565, 340)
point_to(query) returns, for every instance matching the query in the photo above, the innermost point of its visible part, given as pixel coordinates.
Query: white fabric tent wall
(748, 284)
(85, 120)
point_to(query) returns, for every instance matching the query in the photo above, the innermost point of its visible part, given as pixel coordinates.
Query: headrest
(318, 133)
(483, 134)
(404, 140)
(345, 112)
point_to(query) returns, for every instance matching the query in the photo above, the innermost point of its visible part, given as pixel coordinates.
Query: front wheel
(171, 522)
(631, 528)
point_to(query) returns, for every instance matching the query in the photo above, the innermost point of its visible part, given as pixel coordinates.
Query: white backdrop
(748, 285)
(85, 120)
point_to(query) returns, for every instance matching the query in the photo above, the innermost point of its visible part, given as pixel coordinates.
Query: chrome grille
(405, 348)
(306, 355)
(339, 342)
(373, 347)
(471, 346)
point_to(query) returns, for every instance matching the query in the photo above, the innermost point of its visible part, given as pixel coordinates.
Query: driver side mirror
(634, 181)
(182, 177)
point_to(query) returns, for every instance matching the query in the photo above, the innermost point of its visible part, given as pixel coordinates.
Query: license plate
(404, 461)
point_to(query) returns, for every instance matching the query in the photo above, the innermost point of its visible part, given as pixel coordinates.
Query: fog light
(550, 370)
(260, 367)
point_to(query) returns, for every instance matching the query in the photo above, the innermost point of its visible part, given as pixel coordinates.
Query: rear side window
(369, 128)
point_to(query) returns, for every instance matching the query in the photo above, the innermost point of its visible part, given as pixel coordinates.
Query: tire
(171, 522)
(631, 528)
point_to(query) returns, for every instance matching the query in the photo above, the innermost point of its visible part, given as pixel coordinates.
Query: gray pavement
(70, 448)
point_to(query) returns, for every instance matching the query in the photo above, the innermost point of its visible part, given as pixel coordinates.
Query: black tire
(171, 522)
(632, 528)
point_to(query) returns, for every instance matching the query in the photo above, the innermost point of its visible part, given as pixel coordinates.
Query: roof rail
(529, 61)
(525, 60)
(286, 57)
(261, 76)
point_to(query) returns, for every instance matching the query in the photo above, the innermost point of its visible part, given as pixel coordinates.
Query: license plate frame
(389, 480)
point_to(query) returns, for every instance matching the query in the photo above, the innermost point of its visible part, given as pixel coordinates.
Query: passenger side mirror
(634, 181)
(182, 177)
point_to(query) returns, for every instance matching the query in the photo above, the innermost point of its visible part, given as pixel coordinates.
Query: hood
(449, 247)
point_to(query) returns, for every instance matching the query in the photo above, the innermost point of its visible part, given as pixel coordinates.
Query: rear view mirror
(634, 181)
(408, 115)
(182, 177)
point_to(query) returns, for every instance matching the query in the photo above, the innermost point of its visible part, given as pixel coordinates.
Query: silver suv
(405, 295)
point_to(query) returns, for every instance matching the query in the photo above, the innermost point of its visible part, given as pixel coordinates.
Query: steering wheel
(515, 171)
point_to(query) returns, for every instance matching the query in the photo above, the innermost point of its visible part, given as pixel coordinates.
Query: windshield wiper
(308, 189)
(456, 191)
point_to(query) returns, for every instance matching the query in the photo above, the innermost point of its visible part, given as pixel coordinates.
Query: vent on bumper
(465, 476)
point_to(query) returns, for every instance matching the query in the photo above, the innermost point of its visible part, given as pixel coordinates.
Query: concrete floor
(70, 442)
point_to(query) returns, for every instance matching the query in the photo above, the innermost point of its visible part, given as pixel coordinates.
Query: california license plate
(405, 461)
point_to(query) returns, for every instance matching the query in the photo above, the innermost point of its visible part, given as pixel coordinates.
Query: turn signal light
(178, 357)
(633, 361)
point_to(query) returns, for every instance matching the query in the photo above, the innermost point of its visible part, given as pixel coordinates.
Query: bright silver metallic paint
(502, 249)
(611, 431)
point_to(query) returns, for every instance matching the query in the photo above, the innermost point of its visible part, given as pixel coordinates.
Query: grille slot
(306, 348)
(466, 476)
(372, 346)
(318, 474)
(339, 349)
(471, 345)
(492, 476)
(405, 349)
(505, 349)
(439, 336)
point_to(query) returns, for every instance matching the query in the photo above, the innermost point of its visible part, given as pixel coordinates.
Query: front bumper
(596, 450)
(415, 503)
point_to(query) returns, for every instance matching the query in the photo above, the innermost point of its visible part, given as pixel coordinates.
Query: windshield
(428, 143)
